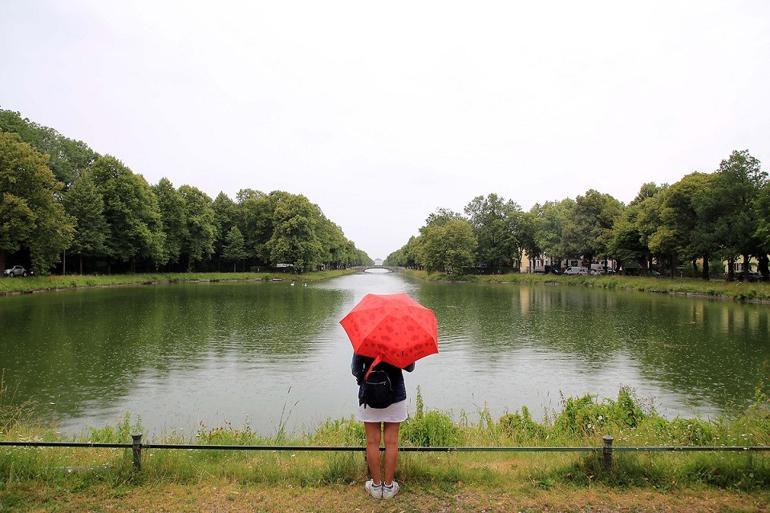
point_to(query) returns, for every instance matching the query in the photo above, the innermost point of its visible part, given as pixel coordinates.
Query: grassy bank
(49, 283)
(38, 477)
(758, 292)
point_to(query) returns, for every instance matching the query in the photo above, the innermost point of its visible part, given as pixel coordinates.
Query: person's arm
(410, 367)
(357, 367)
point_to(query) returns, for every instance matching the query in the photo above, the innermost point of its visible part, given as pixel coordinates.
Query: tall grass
(580, 421)
(12, 413)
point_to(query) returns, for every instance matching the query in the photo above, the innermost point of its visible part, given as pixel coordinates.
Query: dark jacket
(360, 365)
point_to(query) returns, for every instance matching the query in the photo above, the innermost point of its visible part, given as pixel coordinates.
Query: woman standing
(382, 386)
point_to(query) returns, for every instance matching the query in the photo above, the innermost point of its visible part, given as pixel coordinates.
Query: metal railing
(607, 449)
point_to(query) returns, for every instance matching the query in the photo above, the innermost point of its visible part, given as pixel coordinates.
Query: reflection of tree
(707, 350)
(72, 348)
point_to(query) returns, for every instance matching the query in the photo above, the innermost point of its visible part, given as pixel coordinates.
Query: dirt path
(232, 498)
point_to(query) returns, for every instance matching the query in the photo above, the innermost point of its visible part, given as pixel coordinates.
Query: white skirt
(396, 412)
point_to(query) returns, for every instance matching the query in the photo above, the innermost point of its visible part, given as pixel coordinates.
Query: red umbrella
(392, 328)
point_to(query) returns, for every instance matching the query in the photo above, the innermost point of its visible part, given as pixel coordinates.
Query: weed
(12, 412)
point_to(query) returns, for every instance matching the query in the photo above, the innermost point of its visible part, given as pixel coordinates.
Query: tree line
(695, 224)
(57, 195)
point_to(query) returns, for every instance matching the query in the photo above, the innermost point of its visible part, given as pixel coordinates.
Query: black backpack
(376, 390)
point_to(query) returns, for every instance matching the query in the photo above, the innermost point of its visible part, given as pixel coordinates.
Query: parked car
(16, 270)
(574, 270)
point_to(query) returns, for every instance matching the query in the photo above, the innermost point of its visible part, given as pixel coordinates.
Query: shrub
(691, 431)
(346, 431)
(586, 416)
(520, 426)
(119, 433)
(432, 429)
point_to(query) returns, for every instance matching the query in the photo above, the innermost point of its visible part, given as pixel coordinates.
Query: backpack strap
(371, 367)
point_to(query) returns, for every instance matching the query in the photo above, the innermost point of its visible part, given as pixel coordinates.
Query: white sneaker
(375, 490)
(388, 492)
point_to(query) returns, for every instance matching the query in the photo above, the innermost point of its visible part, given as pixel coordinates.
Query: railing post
(607, 452)
(136, 447)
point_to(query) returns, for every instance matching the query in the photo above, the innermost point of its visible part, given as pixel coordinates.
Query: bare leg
(373, 449)
(391, 449)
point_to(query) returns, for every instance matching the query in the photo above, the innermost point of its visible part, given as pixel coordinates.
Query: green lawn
(759, 292)
(43, 283)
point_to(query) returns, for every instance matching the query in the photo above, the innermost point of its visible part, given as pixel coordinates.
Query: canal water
(266, 355)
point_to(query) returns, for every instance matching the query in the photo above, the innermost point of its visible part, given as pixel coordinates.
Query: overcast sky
(380, 112)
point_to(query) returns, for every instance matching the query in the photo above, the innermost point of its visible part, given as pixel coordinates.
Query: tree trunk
(762, 267)
(695, 266)
(81, 265)
(746, 267)
(706, 267)
(673, 266)
(2, 260)
(730, 268)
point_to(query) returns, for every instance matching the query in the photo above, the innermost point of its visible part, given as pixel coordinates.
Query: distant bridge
(388, 268)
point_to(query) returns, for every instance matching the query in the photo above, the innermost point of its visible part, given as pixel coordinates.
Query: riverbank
(11, 286)
(42, 479)
(717, 289)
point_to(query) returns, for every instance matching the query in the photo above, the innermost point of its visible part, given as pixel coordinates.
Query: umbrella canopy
(393, 328)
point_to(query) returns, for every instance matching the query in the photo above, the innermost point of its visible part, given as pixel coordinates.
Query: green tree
(234, 249)
(173, 215)
(132, 213)
(521, 232)
(630, 234)
(405, 256)
(31, 214)
(225, 215)
(84, 204)
(201, 231)
(762, 231)
(67, 158)
(294, 239)
(739, 182)
(588, 229)
(649, 219)
(549, 220)
(448, 246)
(336, 249)
(495, 223)
(528, 237)
(361, 258)
(254, 217)
(686, 230)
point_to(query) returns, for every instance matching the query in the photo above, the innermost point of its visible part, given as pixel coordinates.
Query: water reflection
(88, 354)
(705, 355)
